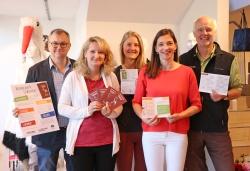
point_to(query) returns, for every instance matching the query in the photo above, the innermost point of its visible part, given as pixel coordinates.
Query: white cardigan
(73, 103)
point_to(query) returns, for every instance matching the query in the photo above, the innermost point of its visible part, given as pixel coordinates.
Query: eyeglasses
(56, 44)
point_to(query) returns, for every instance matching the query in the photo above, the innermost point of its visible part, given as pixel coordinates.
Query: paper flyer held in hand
(152, 106)
(128, 80)
(216, 82)
(36, 111)
(108, 95)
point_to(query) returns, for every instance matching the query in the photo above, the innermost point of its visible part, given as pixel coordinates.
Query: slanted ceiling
(144, 11)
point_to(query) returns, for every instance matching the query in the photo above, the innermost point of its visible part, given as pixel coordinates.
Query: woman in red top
(165, 139)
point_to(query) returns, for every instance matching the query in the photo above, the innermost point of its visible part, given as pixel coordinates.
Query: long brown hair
(154, 66)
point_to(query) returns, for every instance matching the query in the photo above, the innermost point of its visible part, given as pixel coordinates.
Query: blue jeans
(47, 158)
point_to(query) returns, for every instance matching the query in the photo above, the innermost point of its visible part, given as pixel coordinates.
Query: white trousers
(164, 151)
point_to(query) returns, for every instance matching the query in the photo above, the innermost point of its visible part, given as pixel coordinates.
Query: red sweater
(179, 85)
(95, 130)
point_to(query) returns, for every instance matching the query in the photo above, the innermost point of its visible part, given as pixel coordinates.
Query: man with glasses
(54, 69)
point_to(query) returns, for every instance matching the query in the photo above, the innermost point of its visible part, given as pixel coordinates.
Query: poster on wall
(36, 111)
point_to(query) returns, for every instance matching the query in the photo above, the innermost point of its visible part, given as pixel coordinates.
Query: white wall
(10, 54)
(219, 10)
(81, 26)
(112, 32)
(198, 8)
(68, 25)
(223, 24)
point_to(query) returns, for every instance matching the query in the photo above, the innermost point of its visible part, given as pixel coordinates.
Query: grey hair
(213, 21)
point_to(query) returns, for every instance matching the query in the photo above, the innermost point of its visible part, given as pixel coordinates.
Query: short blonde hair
(81, 64)
(139, 62)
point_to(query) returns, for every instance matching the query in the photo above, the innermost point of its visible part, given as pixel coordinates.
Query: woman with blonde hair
(132, 57)
(92, 134)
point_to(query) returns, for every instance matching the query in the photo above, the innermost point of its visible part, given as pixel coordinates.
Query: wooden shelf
(239, 128)
(241, 143)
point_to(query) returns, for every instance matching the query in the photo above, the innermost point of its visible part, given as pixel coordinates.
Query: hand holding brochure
(152, 106)
(216, 82)
(108, 95)
(36, 111)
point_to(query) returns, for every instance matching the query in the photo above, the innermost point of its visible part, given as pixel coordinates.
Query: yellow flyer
(152, 106)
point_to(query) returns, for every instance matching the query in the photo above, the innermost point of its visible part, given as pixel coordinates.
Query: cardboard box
(239, 104)
(246, 90)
